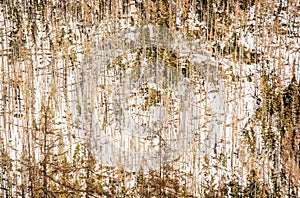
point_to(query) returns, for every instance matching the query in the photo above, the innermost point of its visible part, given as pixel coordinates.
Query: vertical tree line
(43, 48)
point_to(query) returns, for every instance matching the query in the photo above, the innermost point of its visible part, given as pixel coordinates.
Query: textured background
(149, 98)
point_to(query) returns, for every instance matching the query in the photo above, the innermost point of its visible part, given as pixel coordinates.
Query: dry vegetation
(43, 48)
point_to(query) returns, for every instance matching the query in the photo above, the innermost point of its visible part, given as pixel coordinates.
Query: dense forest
(157, 98)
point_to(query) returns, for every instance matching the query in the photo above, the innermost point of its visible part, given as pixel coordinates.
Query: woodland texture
(46, 129)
